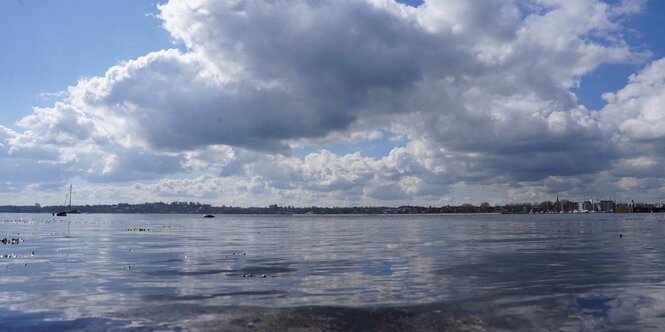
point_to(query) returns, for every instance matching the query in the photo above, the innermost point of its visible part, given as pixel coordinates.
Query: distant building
(623, 208)
(585, 206)
(572, 206)
(557, 207)
(606, 206)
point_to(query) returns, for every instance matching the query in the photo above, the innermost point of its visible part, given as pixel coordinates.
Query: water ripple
(568, 272)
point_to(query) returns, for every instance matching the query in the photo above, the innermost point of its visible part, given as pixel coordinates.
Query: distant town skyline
(179, 207)
(344, 103)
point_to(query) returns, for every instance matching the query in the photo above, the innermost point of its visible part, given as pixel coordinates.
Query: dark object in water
(66, 212)
(11, 241)
(208, 216)
(70, 210)
(138, 229)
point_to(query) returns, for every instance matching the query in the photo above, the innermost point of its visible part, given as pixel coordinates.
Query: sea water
(564, 272)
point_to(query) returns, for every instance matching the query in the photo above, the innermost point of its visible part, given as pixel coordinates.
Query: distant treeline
(195, 207)
(198, 208)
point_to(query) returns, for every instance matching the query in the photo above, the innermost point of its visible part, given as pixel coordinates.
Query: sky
(331, 103)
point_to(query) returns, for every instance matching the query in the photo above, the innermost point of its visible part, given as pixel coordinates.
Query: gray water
(340, 273)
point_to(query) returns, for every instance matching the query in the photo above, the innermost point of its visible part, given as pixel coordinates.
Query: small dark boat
(64, 213)
(208, 216)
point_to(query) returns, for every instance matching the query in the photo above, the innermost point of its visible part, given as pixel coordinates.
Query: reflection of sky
(542, 269)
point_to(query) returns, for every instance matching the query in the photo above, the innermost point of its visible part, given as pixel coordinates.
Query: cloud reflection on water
(508, 271)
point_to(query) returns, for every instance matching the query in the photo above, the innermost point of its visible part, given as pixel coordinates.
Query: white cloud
(481, 91)
(205, 186)
(636, 111)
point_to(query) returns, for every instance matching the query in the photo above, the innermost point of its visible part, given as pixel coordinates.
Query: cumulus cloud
(636, 111)
(205, 186)
(481, 91)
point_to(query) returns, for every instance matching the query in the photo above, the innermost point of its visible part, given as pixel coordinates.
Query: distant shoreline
(546, 207)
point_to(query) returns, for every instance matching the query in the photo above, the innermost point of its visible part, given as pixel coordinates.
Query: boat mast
(70, 196)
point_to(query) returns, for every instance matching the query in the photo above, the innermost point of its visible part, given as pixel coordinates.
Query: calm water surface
(471, 273)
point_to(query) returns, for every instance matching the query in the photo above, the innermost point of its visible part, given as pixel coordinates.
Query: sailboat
(69, 210)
